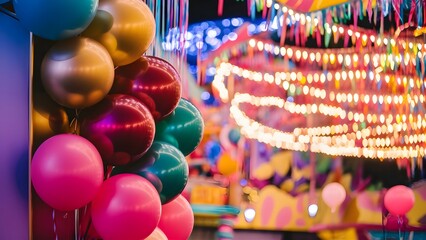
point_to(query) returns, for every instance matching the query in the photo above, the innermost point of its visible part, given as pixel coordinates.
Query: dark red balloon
(153, 81)
(121, 128)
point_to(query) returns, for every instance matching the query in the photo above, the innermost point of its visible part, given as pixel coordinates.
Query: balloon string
(76, 224)
(87, 228)
(54, 225)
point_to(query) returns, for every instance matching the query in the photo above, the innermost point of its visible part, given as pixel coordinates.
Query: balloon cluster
(124, 157)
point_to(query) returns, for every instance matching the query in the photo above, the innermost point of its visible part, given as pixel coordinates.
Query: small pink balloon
(333, 195)
(66, 171)
(157, 235)
(126, 207)
(399, 200)
(177, 219)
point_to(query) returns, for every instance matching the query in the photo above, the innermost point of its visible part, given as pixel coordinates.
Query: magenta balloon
(126, 207)
(67, 171)
(121, 128)
(399, 200)
(177, 219)
(333, 195)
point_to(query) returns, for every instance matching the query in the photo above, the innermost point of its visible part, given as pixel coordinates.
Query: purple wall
(14, 129)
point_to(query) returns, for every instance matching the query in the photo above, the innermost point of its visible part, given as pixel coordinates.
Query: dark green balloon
(183, 128)
(164, 166)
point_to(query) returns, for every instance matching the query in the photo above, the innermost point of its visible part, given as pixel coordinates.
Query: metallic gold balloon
(48, 119)
(125, 28)
(77, 73)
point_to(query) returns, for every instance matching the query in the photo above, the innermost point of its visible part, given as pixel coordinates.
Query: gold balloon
(48, 119)
(77, 73)
(125, 28)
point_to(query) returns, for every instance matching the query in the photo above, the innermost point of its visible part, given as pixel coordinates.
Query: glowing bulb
(249, 214)
(312, 210)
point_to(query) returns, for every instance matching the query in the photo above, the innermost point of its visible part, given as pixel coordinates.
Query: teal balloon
(57, 19)
(183, 128)
(234, 136)
(164, 166)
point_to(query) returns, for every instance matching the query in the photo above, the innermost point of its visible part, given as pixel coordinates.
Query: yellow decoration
(226, 165)
(287, 185)
(206, 194)
(264, 171)
(281, 162)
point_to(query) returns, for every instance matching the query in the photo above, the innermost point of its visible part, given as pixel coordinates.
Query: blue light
(232, 36)
(205, 96)
(226, 22)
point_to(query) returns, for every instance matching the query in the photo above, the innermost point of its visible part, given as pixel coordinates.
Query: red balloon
(126, 207)
(153, 81)
(177, 219)
(121, 128)
(399, 200)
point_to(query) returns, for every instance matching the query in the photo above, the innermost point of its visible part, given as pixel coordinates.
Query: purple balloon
(121, 128)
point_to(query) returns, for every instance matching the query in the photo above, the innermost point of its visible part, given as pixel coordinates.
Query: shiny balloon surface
(164, 166)
(77, 73)
(152, 80)
(55, 20)
(120, 127)
(183, 128)
(125, 28)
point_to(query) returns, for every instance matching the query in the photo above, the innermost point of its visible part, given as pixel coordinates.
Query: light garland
(347, 57)
(289, 81)
(387, 136)
(343, 142)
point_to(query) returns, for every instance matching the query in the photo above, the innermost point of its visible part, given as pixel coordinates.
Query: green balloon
(164, 166)
(183, 128)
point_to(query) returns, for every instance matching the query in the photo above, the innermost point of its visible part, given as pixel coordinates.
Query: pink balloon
(66, 171)
(399, 200)
(333, 195)
(157, 235)
(126, 207)
(177, 219)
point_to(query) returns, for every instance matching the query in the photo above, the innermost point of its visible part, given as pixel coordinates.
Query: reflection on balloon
(183, 127)
(126, 207)
(177, 213)
(48, 119)
(55, 19)
(164, 166)
(77, 73)
(66, 171)
(125, 28)
(156, 84)
(120, 127)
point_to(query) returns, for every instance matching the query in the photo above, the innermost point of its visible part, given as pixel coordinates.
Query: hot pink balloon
(67, 171)
(126, 207)
(177, 219)
(333, 195)
(399, 200)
